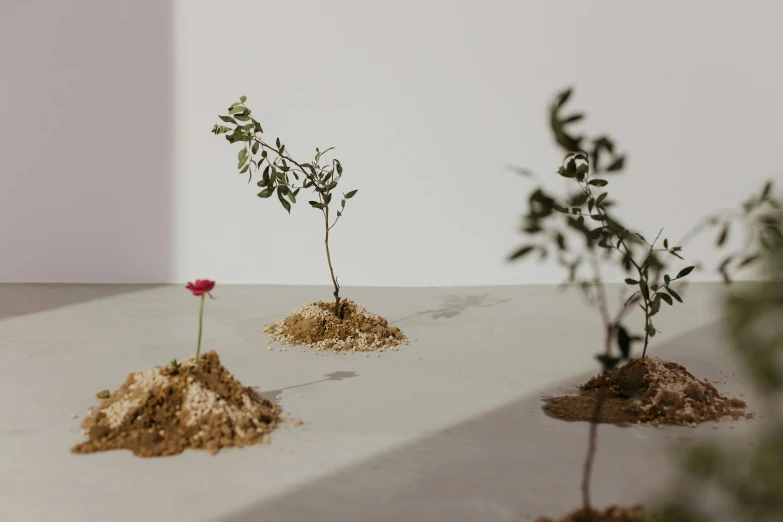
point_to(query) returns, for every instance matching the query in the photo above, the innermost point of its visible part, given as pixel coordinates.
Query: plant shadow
(506, 464)
(273, 395)
(454, 305)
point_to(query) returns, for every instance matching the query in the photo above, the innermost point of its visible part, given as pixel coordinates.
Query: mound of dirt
(610, 514)
(168, 409)
(649, 391)
(316, 326)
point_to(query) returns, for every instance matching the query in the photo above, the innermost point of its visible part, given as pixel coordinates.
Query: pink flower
(201, 287)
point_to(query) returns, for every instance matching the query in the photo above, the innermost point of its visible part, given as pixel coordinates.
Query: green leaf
(563, 97)
(228, 119)
(277, 142)
(284, 202)
(767, 190)
(724, 234)
(655, 305)
(666, 298)
(242, 99)
(665, 243)
(598, 182)
(651, 330)
(255, 147)
(564, 172)
(521, 252)
(667, 279)
(607, 361)
(601, 198)
(748, 260)
(616, 164)
(605, 143)
(339, 167)
(561, 241)
(315, 204)
(351, 194)
(236, 110)
(624, 342)
(242, 155)
(242, 117)
(266, 192)
(644, 289)
(630, 281)
(581, 171)
(674, 294)
(685, 271)
(595, 233)
(572, 119)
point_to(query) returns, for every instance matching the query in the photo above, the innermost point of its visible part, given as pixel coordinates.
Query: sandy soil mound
(168, 409)
(316, 326)
(650, 391)
(610, 514)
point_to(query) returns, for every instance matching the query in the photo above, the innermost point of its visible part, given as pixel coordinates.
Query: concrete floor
(449, 428)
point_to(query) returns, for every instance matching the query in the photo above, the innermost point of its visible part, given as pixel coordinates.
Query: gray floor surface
(449, 428)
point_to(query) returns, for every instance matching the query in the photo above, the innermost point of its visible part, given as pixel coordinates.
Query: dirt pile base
(649, 391)
(166, 410)
(610, 514)
(316, 326)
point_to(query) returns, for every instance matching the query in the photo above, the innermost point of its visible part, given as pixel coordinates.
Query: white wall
(426, 102)
(86, 144)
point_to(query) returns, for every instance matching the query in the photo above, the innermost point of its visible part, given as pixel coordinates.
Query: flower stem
(200, 327)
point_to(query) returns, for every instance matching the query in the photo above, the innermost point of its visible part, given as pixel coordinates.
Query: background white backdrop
(427, 103)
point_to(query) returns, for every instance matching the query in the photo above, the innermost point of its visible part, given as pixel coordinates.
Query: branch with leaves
(757, 214)
(580, 230)
(282, 174)
(585, 211)
(748, 478)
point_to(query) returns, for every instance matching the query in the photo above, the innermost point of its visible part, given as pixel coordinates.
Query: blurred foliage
(744, 477)
(580, 230)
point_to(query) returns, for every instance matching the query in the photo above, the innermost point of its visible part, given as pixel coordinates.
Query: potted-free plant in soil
(746, 475)
(342, 324)
(617, 348)
(190, 404)
(584, 236)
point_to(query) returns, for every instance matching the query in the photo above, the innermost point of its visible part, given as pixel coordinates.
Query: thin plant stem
(324, 210)
(591, 451)
(337, 310)
(200, 327)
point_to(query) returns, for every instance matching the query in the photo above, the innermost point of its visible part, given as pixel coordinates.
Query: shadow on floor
(511, 464)
(272, 395)
(454, 305)
(24, 299)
